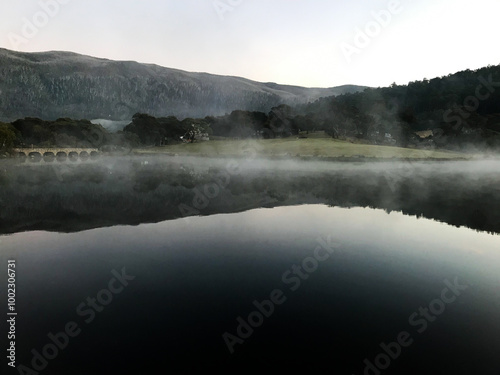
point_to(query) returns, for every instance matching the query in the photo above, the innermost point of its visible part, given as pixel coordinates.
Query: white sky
(285, 41)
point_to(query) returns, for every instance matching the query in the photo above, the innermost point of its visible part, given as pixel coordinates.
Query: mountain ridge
(57, 84)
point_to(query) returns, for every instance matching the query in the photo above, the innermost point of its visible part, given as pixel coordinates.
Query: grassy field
(315, 146)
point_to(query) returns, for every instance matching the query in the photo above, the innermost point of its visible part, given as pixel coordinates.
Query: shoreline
(346, 159)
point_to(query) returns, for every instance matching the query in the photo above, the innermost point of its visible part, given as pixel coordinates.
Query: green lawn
(294, 147)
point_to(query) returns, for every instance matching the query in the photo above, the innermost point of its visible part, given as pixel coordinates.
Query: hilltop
(51, 85)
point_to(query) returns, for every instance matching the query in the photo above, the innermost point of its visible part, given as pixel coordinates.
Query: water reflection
(68, 198)
(195, 276)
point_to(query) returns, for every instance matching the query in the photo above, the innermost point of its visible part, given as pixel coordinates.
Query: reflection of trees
(88, 196)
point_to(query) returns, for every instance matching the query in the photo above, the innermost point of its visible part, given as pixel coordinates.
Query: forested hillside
(52, 85)
(454, 112)
(460, 108)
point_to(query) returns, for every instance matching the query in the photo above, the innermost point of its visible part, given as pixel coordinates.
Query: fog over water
(131, 190)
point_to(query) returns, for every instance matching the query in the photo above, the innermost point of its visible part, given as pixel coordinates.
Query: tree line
(460, 109)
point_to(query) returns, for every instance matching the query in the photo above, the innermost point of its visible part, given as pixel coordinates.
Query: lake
(134, 265)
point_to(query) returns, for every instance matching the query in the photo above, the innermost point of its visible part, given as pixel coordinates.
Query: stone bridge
(49, 155)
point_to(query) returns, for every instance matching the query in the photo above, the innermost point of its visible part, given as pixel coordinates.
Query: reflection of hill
(70, 198)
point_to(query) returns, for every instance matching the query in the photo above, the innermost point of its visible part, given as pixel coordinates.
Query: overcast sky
(300, 42)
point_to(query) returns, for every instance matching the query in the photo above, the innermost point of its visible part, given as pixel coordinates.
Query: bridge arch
(84, 155)
(49, 157)
(73, 156)
(61, 156)
(35, 157)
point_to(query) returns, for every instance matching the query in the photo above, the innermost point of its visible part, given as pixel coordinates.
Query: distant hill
(52, 85)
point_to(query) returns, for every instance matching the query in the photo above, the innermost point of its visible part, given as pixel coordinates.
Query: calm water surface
(343, 281)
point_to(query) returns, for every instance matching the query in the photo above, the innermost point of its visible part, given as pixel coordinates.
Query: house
(424, 134)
